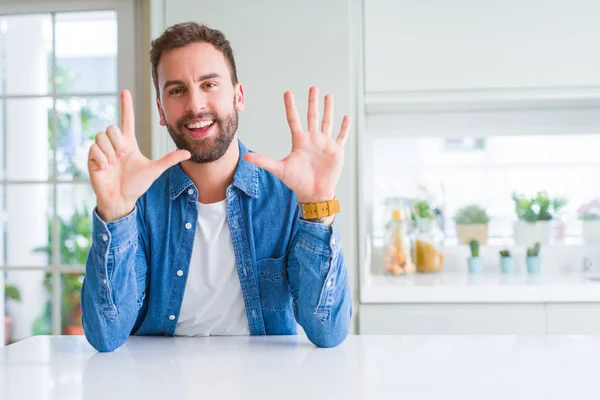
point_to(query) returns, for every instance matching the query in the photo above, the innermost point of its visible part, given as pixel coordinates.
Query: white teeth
(202, 124)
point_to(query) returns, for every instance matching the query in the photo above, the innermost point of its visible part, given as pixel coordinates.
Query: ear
(161, 113)
(239, 97)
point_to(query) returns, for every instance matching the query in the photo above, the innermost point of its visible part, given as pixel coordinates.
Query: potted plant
(589, 214)
(533, 259)
(75, 234)
(534, 215)
(471, 223)
(11, 293)
(474, 262)
(507, 262)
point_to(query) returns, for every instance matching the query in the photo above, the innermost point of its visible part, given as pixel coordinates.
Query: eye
(176, 91)
(210, 85)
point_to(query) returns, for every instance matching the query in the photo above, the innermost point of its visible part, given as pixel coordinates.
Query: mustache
(187, 118)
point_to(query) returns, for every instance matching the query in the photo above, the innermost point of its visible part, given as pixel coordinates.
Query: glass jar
(428, 244)
(398, 255)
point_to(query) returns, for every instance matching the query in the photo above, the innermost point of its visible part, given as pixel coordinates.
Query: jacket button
(188, 226)
(171, 317)
(180, 273)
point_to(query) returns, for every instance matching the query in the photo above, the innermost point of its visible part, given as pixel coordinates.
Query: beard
(208, 149)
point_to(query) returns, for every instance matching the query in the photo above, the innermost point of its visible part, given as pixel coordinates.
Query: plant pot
(8, 324)
(73, 330)
(507, 265)
(475, 265)
(466, 233)
(528, 233)
(533, 264)
(591, 232)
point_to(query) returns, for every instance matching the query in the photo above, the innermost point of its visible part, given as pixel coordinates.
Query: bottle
(398, 256)
(429, 240)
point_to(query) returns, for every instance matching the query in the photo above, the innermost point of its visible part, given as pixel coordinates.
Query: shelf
(456, 287)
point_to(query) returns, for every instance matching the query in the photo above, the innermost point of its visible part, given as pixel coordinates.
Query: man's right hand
(119, 172)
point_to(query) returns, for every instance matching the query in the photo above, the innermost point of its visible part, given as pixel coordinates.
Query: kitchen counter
(448, 287)
(290, 367)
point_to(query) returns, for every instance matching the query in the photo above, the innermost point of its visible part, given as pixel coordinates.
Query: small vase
(507, 264)
(475, 265)
(533, 264)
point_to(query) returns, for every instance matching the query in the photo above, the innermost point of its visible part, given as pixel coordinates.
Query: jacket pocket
(274, 285)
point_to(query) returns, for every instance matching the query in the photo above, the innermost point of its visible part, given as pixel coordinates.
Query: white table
(289, 367)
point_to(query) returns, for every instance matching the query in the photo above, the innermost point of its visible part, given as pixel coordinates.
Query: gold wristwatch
(312, 211)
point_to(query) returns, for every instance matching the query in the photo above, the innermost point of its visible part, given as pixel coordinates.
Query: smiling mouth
(199, 129)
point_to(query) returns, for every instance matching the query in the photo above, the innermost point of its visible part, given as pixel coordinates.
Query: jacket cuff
(321, 238)
(116, 233)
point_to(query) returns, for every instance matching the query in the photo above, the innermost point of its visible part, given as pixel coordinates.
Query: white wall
(281, 45)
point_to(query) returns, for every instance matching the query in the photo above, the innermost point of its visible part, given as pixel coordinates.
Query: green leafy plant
(504, 253)
(75, 240)
(541, 207)
(422, 209)
(534, 250)
(11, 292)
(474, 244)
(471, 214)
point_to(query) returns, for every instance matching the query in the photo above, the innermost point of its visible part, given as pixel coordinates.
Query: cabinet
(480, 319)
(452, 319)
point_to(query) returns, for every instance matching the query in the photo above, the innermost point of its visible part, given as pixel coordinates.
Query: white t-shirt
(212, 303)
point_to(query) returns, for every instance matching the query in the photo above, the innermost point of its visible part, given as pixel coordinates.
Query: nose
(196, 101)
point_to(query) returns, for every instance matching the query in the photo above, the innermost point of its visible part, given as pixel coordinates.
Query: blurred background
(476, 130)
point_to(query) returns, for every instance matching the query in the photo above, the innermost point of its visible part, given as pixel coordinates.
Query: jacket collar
(245, 177)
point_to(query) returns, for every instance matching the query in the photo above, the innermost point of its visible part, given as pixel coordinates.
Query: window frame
(127, 58)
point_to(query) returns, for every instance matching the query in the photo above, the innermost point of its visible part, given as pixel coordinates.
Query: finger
(313, 109)
(343, 136)
(127, 116)
(274, 167)
(116, 138)
(106, 146)
(291, 113)
(96, 158)
(327, 115)
(174, 157)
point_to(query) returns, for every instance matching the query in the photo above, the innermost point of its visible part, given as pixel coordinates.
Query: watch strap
(319, 210)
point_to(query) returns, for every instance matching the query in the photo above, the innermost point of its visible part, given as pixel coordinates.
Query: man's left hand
(313, 168)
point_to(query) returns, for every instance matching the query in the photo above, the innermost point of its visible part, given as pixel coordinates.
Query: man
(213, 239)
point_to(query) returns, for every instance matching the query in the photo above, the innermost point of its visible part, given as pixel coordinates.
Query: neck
(213, 179)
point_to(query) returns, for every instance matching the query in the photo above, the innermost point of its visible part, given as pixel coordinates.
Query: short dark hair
(182, 34)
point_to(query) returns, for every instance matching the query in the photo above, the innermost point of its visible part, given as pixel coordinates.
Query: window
(61, 68)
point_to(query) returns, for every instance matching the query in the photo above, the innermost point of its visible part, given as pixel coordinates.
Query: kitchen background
(455, 104)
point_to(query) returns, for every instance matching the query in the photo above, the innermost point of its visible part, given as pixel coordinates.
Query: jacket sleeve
(319, 283)
(115, 282)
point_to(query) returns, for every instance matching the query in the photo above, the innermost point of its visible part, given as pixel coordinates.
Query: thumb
(274, 167)
(174, 157)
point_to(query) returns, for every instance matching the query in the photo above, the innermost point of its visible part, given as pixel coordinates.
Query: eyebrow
(201, 78)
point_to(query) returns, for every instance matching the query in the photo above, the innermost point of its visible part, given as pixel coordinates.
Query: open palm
(314, 166)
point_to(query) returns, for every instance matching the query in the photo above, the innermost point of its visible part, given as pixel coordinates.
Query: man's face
(198, 103)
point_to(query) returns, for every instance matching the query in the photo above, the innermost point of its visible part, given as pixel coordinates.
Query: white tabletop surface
(289, 367)
(451, 287)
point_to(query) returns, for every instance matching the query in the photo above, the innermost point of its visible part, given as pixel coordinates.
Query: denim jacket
(290, 270)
